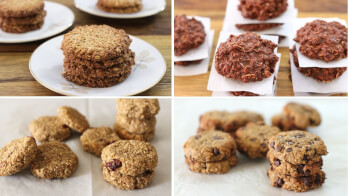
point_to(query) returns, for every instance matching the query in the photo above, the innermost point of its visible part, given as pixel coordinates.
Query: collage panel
(238, 147)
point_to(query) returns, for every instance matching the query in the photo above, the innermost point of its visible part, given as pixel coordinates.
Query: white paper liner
(249, 176)
(302, 83)
(304, 61)
(219, 83)
(199, 68)
(202, 51)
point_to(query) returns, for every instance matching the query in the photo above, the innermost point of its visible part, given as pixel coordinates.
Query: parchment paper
(249, 176)
(199, 68)
(16, 114)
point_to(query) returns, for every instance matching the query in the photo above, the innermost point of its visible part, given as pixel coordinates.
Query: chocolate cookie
(17, 155)
(263, 9)
(185, 63)
(94, 140)
(297, 147)
(137, 108)
(217, 167)
(243, 93)
(252, 139)
(54, 160)
(49, 128)
(188, 34)
(73, 118)
(124, 134)
(136, 126)
(247, 58)
(323, 40)
(210, 146)
(319, 74)
(257, 27)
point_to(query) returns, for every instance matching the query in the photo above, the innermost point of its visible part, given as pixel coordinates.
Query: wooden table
(197, 85)
(16, 80)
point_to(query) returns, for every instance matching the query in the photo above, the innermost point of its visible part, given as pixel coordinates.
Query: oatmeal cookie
(137, 108)
(20, 8)
(216, 167)
(73, 118)
(124, 134)
(136, 126)
(14, 28)
(120, 10)
(49, 128)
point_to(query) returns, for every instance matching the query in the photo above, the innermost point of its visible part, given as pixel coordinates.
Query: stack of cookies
(120, 6)
(297, 117)
(129, 164)
(211, 152)
(97, 56)
(136, 119)
(20, 16)
(226, 121)
(295, 159)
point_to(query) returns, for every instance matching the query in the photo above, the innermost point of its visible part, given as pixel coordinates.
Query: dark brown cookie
(185, 63)
(246, 58)
(262, 9)
(243, 93)
(188, 34)
(258, 27)
(323, 40)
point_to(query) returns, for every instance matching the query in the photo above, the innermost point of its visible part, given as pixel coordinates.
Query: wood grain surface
(197, 85)
(16, 80)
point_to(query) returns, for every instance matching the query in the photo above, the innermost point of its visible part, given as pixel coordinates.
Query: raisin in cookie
(49, 128)
(73, 118)
(17, 155)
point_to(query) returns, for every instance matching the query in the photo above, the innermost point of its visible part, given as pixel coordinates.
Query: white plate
(150, 7)
(46, 66)
(58, 19)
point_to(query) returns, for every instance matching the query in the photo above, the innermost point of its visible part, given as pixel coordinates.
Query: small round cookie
(297, 184)
(54, 160)
(227, 122)
(252, 139)
(302, 115)
(119, 10)
(297, 147)
(129, 157)
(49, 128)
(17, 155)
(257, 27)
(73, 118)
(94, 140)
(137, 126)
(20, 8)
(11, 28)
(126, 182)
(210, 146)
(262, 10)
(124, 134)
(97, 82)
(217, 167)
(25, 20)
(137, 108)
(284, 123)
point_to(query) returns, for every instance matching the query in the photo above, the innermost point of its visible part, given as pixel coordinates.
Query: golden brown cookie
(137, 108)
(20, 8)
(124, 134)
(11, 28)
(120, 10)
(49, 128)
(35, 19)
(73, 118)
(54, 160)
(216, 167)
(94, 140)
(136, 126)
(17, 155)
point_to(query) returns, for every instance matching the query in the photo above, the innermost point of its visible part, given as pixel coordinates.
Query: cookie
(217, 167)
(283, 167)
(262, 10)
(252, 139)
(136, 126)
(284, 123)
(49, 128)
(94, 140)
(246, 58)
(297, 184)
(302, 115)
(185, 63)
(120, 3)
(297, 147)
(188, 34)
(227, 122)
(137, 108)
(258, 27)
(10, 28)
(96, 42)
(20, 8)
(95, 82)
(73, 118)
(124, 134)
(54, 160)
(129, 157)
(35, 19)
(126, 182)
(17, 155)
(323, 40)
(319, 74)
(119, 10)
(243, 93)
(210, 146)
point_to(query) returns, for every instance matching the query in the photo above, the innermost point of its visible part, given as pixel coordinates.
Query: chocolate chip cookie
(252, 139)
(73, 118)
(17, 155)
(216, 167)
(49, 128)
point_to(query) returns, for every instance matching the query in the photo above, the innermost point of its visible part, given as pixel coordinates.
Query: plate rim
(120, 17)
(67, 94)
(48, 36)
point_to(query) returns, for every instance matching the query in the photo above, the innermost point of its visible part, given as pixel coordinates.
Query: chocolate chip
(277, 162)
(307, 172)
(216, 151)
(197, 137)
(113, 165)
(271, 168)
(317, 179)
(300, 169)
(299, 135)
(311, 121)
(307, 182)
(308, 149)
(279, 182)
(65, 126)
(147, 172)
(317, 139)
(272, 144)
(234, 123)
(289, 150)
(263, 145)
(218, 127)
(305, 157)
(253, 139)
(217, 138)
(279, 148)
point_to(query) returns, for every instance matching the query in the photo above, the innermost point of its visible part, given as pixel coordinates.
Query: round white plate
(58, 19)
(46, 66)
(150, 7)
